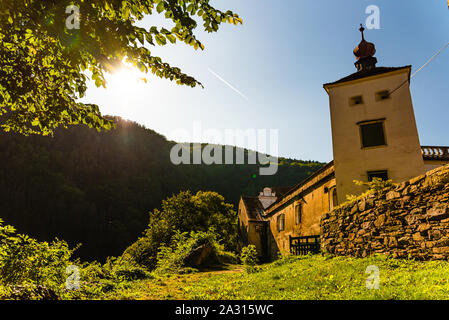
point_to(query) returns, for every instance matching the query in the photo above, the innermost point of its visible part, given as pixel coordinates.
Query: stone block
(393, 195)
(417, 236)
(423, 227)
(380, 221)
(417, 179)
(438, 211)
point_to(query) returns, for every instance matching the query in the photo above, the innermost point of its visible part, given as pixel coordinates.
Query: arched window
(298, 213)
(334, 198)
(281, 222)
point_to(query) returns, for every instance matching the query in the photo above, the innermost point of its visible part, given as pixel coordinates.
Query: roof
(280, 191)
(253, 207)
(367, 73)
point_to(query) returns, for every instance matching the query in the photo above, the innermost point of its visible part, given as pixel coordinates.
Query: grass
(297, 278)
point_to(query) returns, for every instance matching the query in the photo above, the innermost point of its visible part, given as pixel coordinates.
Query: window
(382, 95)
(372, 134)
(334, 198)
(298, 213)
(382, 174)
(356, 100)
(281, 222)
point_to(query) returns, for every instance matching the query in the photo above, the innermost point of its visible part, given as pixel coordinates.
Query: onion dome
(364, 53)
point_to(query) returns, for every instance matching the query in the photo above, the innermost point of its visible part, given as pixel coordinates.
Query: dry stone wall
(410, 220)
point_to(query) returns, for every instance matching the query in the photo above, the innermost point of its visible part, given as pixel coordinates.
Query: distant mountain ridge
(97, 188)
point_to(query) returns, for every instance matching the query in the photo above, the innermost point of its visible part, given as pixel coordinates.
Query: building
(374, 135)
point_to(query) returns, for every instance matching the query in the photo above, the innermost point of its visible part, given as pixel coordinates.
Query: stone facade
(408, 220)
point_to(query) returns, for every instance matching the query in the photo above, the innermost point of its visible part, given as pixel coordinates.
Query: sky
(269, 72)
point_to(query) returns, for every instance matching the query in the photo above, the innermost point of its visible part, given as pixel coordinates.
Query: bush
(249, 255)
(144, 250)
(373, 187)
(185, 213)
(31, 265)
(125, 270)
(226, 257)
(172, 258)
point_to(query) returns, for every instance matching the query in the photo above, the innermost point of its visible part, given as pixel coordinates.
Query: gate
(304, 245)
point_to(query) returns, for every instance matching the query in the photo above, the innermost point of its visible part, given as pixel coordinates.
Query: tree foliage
(24, 260)
(44, 63)
(185, 213)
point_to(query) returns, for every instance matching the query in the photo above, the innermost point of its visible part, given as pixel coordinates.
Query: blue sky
(279, 59)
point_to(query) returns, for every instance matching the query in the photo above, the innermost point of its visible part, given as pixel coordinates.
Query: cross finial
(361, 31)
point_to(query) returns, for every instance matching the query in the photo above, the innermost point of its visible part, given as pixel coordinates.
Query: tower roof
(367, 73)
(365, 49)
(364, 53)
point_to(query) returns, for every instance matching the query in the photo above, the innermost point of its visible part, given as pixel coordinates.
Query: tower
(374, 131)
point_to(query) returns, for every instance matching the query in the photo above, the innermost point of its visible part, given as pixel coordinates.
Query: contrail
(228, 84)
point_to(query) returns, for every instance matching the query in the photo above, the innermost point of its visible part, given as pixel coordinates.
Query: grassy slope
(313, 277)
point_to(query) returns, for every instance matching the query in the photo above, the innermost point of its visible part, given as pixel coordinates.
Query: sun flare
(126, 79)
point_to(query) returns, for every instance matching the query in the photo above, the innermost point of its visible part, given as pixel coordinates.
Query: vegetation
(47, 54)
(372, 187)
(35, 270)
(248, 256)
(173, 258)
(28, 263)
(97, 188)
(300, 278)
(185, 222)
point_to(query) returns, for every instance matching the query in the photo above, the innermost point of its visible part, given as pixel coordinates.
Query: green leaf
(160, 39)
(160, 7)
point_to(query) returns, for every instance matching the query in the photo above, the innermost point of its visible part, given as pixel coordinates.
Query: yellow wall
(314, 204)
(401, 157)
(253, 230)
(433, 164)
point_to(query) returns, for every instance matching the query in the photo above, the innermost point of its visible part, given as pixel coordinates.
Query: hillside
(97, 188)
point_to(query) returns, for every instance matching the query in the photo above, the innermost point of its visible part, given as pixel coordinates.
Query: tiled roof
(253, 207)
(367, 73)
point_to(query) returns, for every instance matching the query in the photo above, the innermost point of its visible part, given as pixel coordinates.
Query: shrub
(373, 186)
(128, 271)
(249, 255)
(172, 258)
(185, 213)
(27, 263)
(226, 257)
(376, 184)
(144, 250)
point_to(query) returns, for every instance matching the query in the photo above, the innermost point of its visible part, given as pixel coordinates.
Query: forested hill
(97, 188)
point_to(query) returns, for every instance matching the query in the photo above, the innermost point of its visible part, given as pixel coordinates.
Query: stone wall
(408, 220)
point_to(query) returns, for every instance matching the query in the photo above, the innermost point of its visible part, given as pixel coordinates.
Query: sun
(125, 80)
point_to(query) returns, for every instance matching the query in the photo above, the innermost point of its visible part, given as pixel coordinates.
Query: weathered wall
(411, 219)
(433, 164)
(314, 204)
(401, 155)
(251, 232)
